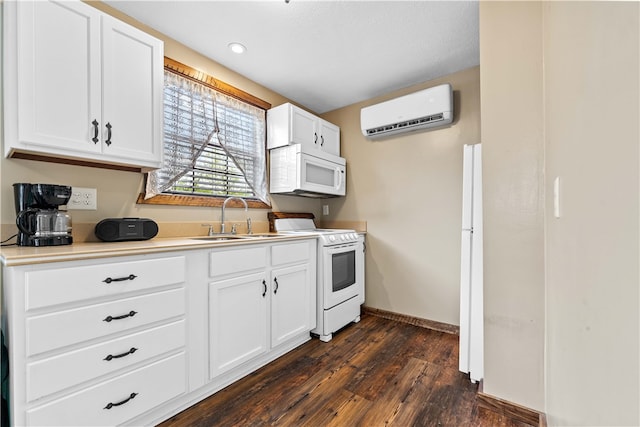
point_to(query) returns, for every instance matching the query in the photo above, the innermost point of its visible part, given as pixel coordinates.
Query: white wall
(409, 190)
(513, 200)
(560, 97)
(592, 119)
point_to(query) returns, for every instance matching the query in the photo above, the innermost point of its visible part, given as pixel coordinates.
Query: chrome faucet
(224, 206)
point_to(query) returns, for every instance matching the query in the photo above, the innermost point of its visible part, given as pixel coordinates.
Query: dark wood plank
(295, 409)
(272, 216)
(376, 372)
(381, 366)
(341, 406)
(393, 404)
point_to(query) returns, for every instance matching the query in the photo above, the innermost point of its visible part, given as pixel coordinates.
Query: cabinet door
(303, 127)
(237, 321)
(291, 302)
(132, 93)
(57, 73)
(329, 137)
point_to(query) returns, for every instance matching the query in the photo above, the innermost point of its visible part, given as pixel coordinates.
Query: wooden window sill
(184, 200)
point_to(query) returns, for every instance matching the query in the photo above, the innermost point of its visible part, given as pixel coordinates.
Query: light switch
(556, 197)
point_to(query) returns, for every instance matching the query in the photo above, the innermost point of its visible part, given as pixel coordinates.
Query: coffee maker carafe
(40, 221)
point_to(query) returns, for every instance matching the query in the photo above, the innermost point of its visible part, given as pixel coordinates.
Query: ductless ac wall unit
(422, 110)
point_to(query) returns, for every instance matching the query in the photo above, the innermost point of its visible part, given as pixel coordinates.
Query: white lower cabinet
(293, 307)
(290, 303)
(261, 304)
(237, 312)
(101, 355)
(134, 340)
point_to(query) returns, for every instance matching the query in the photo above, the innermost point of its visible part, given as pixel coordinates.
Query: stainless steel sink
(223, 237)
(219, 238)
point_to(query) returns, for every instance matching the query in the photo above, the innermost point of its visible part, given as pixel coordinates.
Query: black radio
(126, 229)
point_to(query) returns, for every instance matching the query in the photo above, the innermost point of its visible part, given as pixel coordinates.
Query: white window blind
(214, 145)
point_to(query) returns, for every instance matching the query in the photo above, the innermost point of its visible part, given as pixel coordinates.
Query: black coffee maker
(38, 217)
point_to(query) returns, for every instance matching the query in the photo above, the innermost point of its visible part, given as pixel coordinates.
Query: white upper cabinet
(288, 124)
(329, 137)
(132, 81)
(80, 84)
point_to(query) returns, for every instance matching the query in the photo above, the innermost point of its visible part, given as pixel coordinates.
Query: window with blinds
(213, 143)
(213, 175)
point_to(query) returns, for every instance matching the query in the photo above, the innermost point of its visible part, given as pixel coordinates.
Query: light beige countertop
(23, 255)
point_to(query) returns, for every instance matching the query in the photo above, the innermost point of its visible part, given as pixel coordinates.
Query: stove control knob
(332, 238)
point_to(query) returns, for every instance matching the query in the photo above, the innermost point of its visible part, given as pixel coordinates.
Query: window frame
(220, 86)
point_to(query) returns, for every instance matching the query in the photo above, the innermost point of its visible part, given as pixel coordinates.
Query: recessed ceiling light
(237, 47)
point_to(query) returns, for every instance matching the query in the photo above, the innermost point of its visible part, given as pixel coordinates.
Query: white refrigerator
(471, 297)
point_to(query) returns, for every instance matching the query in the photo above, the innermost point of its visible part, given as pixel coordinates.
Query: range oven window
(343, 270)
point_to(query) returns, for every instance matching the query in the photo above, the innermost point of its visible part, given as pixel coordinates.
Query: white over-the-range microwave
(307, 172)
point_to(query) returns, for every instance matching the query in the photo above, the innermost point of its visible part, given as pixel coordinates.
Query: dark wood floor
(375, 373)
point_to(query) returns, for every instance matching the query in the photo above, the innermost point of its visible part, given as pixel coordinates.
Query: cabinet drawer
(62, 285)
(62, 328)
(152, 385)
(237, 260)
(57, 373)
(290, 253)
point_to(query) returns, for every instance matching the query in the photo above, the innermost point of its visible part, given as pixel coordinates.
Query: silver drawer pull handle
(124, 316)
(117, 356)
(111, 405)
(119, 279)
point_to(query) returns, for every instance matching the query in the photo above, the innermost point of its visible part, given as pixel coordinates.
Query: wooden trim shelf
(511, 410)
(416, 321)
(272, 216)
(213, 83)
(73, 162)
(206, 201)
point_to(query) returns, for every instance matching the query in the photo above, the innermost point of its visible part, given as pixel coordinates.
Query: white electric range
(340, 274)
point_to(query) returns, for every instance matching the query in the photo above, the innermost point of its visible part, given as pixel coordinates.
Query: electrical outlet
(325, 209)
(83, 198)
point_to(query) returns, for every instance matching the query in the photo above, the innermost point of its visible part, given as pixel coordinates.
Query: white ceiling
(323, 54)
